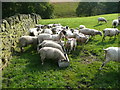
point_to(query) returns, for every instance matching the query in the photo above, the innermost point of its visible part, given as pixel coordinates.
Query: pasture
(69, 9)
(25, 70)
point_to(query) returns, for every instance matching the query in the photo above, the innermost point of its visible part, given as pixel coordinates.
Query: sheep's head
(63, 63)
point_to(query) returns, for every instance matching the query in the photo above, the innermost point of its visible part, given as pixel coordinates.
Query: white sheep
(34, 31)
(27, 40)
(56, 37)
(82, 26)
(81, 38)
(111, 54)
(50, 53)
(110, 32)
(91, 32)
(115, 23)
(102, 19)
(48, 31)
(50, 43)
(70, 44)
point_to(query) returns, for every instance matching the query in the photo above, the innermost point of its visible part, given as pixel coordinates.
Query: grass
(65, 9)
(25, 70)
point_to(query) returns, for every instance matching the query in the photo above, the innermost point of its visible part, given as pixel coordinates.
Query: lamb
(115, 23)
(91, 32)
(56, 37)
(51, 53)
(27, 40)
(70, 44)
(82, 26)
(102, 19)
(111, 53)
(49, 43)
(110, 32)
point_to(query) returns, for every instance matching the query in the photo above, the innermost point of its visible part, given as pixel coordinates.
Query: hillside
(65, 9)
(25, 69)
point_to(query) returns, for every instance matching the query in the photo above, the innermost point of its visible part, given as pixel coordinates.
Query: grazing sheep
(110, 32)
(56, 37)
(49, 43)
(91, 32)
(102, 19)
(27, 40)
(115, 23)
(111, 54)
(70, 44)
(82, 26)
(51, 53)
(81, 38)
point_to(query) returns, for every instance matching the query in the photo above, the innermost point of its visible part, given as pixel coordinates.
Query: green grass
(65, 9)
(26, 71)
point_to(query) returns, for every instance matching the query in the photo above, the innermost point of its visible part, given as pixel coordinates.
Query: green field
(65, 9)
(25, 70)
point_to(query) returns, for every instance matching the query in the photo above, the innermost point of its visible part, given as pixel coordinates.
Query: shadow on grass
(104, 42)
(98, 25)
(104, 79)
(34, 62)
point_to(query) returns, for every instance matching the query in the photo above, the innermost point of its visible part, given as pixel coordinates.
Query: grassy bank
(65, 9)
(25, 70)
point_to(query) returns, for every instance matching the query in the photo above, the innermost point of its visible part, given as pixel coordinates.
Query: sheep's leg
(42, 58)
(103, 38)
(104, 63)
(21, 49)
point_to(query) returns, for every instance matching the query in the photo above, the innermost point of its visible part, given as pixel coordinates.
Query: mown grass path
(26, 71)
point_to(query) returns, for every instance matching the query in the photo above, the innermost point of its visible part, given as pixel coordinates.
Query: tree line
(97, 8)
(46, 9)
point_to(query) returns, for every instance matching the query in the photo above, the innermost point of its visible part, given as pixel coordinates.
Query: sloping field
(65, 9)
(25, 70)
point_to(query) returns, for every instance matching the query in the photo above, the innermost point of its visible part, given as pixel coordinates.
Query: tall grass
(26, 71)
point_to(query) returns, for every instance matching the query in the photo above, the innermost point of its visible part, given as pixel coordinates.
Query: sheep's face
(63, 63)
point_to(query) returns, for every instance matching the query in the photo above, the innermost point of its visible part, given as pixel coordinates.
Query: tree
(44, 9)
(85, 8)
(96, 8)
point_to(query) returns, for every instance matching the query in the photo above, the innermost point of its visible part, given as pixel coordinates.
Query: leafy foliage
(44, 9)
(96, 8)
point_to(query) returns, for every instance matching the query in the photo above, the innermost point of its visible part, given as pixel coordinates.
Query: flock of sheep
(54, 41)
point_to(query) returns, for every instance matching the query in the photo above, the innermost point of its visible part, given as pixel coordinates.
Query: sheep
(39, 26)
(82, 26)
(50, 43)
(27, 40)
(34, 31)
(115, 23)
(91, 32)
(110, 32)
(55, 37)
(51, 53)
(47, 31)
(81, 38)
(111, 53)
(102, 19)
(70, 44)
